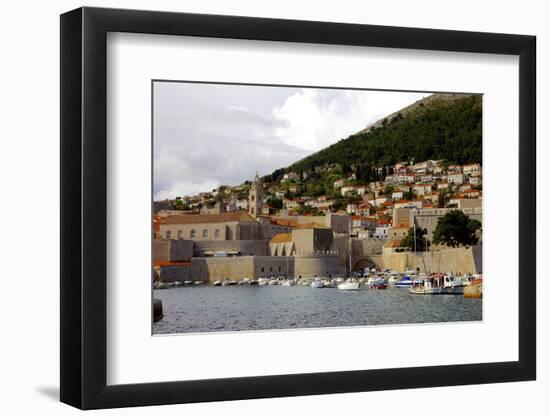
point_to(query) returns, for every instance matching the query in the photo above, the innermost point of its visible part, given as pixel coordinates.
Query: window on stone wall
(168, 234)
(180, 234)
(205, 234)
(192, 234)
(217, 234)
(263, 269)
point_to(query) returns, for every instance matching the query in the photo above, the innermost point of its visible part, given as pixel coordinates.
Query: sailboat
(349, 284)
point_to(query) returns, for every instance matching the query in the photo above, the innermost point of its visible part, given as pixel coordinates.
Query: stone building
(235, 225)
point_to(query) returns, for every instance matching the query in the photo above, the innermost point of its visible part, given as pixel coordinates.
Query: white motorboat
(263, 281)
(198, 282)
(348, 286)
(374, 281)
(217, 283)
(188, 282)
(245, 281)
(273, 282)
(316, 283)
(288, 283)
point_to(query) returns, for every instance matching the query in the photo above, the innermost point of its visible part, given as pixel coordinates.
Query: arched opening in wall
(180, 234)
(168, 234)
(217, 234)
(205, 234)
(192, 234)
(363, 263)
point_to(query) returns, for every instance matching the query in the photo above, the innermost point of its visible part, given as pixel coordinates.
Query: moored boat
(316, 283)
(349, 285)
(405, 282)
(438, 284)
(217, 283)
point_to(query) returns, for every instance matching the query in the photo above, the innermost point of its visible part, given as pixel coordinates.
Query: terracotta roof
(281, 237)
(233, 216)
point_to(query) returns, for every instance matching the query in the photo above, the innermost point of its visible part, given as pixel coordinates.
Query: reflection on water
(211, 309)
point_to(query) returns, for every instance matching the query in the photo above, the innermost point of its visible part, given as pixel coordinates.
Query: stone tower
(255, 197)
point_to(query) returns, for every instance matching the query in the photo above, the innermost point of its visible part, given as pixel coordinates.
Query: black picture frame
(84, 207)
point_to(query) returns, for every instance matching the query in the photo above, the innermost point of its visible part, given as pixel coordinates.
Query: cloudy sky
(206, 135)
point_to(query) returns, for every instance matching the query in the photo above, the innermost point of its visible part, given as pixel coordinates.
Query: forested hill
(441, 126)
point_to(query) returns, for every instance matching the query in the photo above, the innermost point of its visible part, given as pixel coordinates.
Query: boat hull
(436, 291)
(349, 286)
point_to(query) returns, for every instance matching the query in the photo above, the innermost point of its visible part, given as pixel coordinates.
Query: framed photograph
(257, 208)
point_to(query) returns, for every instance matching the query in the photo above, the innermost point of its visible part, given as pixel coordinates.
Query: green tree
(422, 243)
(455, 229)
(275, 202)
(388, 189)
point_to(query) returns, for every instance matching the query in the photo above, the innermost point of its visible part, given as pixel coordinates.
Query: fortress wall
(321, 266)
(212, 269)
(175, 273)
(172, 250)
(456, 260)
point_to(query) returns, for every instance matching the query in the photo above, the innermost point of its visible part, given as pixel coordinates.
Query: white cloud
(313, 118)
(206, 135)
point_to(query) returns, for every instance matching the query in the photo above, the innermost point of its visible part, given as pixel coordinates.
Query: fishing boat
(438, 284)
(405, 282)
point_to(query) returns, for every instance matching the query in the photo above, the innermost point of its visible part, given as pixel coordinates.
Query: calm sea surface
(231, 308)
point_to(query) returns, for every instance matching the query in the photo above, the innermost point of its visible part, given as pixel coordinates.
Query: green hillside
(441, 126)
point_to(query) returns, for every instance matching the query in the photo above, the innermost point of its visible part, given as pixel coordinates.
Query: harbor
(382, 298)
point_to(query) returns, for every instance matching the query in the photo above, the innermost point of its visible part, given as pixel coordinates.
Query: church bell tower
(255, 197)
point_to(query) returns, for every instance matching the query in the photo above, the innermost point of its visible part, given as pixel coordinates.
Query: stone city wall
(456, 260)
(171, 273)
(318, 265)
(239, 267)
(172, 250)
